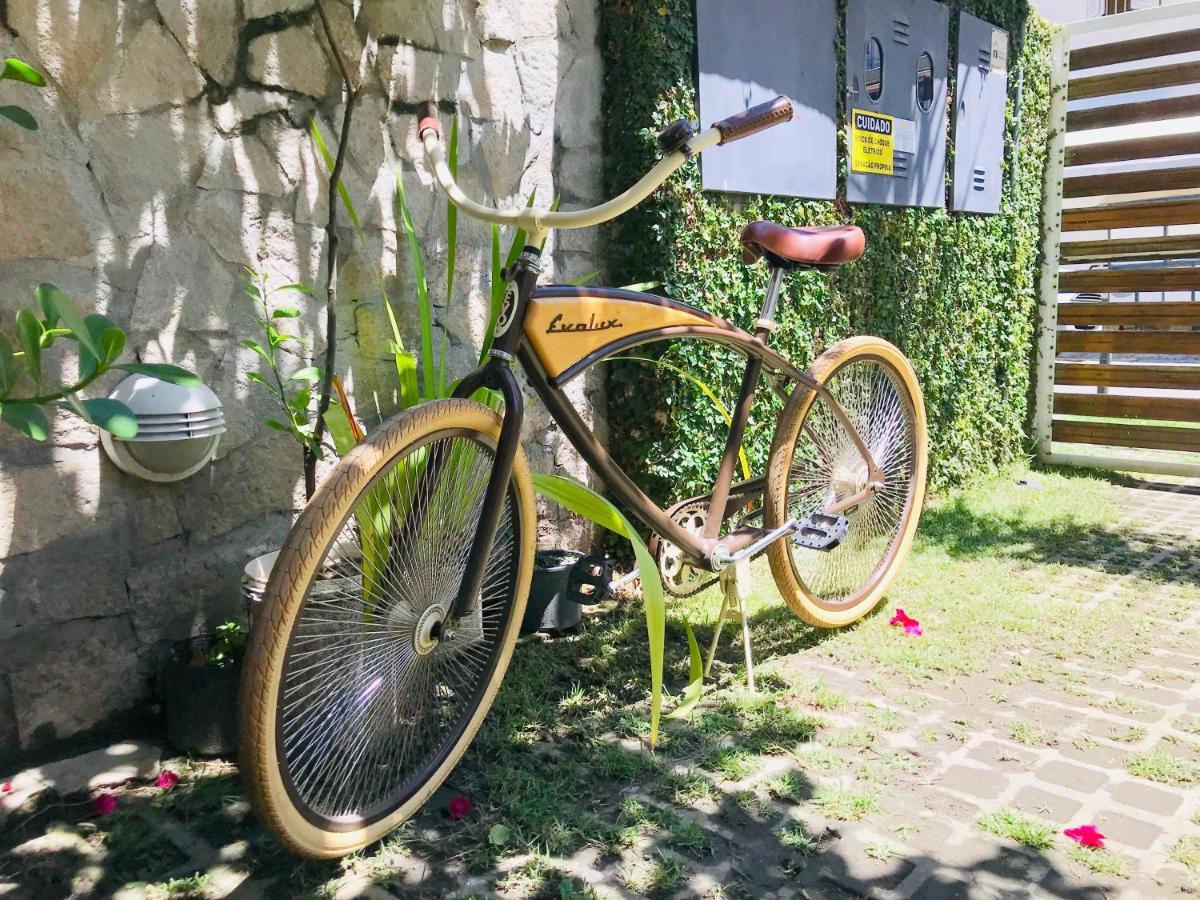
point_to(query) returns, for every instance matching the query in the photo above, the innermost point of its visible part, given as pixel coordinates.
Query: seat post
(767, 315)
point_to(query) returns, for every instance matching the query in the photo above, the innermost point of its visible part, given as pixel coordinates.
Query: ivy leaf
(113, 416)
(297, 287)
(308, 373)
(258, 348)
(163, 372)
(16, 70)
(277, 425)
(19, 116)
(29, 333)
(27, 419)
(66, 309)
(286, 312)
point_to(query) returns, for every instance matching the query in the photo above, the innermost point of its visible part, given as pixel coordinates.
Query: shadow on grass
(564, 793)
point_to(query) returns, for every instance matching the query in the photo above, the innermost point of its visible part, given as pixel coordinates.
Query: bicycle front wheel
(355, 703)
(814, 464)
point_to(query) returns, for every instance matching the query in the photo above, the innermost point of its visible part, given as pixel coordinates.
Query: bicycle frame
(557, 333)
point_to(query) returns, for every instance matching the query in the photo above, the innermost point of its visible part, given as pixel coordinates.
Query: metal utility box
(749, 52)
(896, 62)
(979, 115)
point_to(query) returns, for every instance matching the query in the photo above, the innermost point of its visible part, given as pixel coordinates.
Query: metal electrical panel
(896, 62)
(979, 115)
(749, 52)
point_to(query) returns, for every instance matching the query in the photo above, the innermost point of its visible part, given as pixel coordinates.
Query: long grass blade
(451, 254)
(424, 307)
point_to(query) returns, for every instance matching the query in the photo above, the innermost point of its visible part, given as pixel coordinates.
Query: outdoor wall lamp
(178, 429)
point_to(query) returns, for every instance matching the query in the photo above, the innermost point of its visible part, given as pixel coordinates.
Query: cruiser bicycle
(390, 617)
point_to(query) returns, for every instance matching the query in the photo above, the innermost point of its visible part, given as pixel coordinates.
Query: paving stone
(976, 782)
(102, 768)
(1099, 755)
(1045, 803)
(1142, 796)
(995, 755)
(1122, 829)
(1077, 777)
(861, 874)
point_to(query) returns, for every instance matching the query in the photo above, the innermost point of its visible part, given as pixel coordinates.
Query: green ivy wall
(956, 292)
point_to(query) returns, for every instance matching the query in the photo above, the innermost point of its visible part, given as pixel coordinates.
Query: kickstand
(735, 585)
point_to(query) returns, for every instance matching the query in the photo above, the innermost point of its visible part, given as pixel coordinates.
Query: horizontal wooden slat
(1121, 375)
(1165, 247)
(1137, 148)
(1112, 406)
(1179, 278)
(1176, 179)
(1148, 314)
(1132, 215)
(1138, 48)
(1146, 437)
(1178, 343)
(1131, 113)
(1137, 80)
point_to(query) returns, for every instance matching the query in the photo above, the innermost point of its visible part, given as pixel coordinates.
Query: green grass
(845, 804)
(1028, 734)
(1187, 851)
(1158, 765)
(1008, 823)
(796, 837)
(1100, 860)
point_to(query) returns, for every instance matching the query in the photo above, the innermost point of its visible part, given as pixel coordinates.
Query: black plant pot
(202, 707)
(550, 607)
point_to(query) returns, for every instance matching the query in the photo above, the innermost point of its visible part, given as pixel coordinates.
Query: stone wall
(174, 151)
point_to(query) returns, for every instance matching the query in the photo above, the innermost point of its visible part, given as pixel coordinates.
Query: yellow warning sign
(871, 142)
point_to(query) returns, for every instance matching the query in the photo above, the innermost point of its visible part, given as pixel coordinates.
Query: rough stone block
(207, 30)
(107, 767)
(152, 71)
(292, 59)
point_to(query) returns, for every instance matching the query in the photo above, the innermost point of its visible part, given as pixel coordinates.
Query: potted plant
(200, 690)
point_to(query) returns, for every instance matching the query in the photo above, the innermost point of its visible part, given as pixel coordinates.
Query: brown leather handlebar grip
(427, 117)
(755, 119)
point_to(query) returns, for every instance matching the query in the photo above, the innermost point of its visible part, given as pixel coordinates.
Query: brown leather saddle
(790, 248)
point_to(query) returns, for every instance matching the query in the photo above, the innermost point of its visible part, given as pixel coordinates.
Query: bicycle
(390, 617)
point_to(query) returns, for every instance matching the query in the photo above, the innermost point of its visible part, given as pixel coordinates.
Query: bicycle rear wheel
(814, 463)
(356, 704)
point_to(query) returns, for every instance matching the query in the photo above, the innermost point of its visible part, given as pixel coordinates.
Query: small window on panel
(873, 64)
(925, 82)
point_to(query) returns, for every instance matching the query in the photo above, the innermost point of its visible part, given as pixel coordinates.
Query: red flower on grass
(460, 807)
(104, 804)
(166, 780)
(1087, 835)
(910, 625)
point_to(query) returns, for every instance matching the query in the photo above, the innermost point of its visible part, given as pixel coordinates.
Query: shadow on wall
(174, 151)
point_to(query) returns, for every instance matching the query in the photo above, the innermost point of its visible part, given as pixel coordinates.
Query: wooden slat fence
(1119, 352)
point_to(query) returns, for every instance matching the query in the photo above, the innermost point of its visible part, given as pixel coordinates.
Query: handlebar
(536, 222)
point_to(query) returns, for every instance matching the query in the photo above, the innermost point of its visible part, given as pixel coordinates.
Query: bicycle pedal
(589, 580)
(819, 531)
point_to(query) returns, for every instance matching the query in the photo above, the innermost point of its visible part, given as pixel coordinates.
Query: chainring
(679, 577)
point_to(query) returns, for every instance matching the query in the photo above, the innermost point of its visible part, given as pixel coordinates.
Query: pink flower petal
(900, 618)
(6, 787)
(166, 780)
(913, 628)
(460, 807)
(104, 804)
(1086, 835)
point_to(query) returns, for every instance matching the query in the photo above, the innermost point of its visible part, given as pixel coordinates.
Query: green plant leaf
(587, 503)
(18, 115)
(451, 253)
(163, 372)
(9, 373)
(27, 419)
(286, 312)
(424, 306)
(308, 373)
(258, 348)
(29, 333)
(113, 416)
(581, 281)
(66, 310)
(277, 425)
(338, 423)
(406, 373)
(499, 834)
(319, 140)
(695, 677)
(16, 70)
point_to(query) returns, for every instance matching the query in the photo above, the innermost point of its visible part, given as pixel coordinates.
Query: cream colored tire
(853, 360)
(303, 552)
